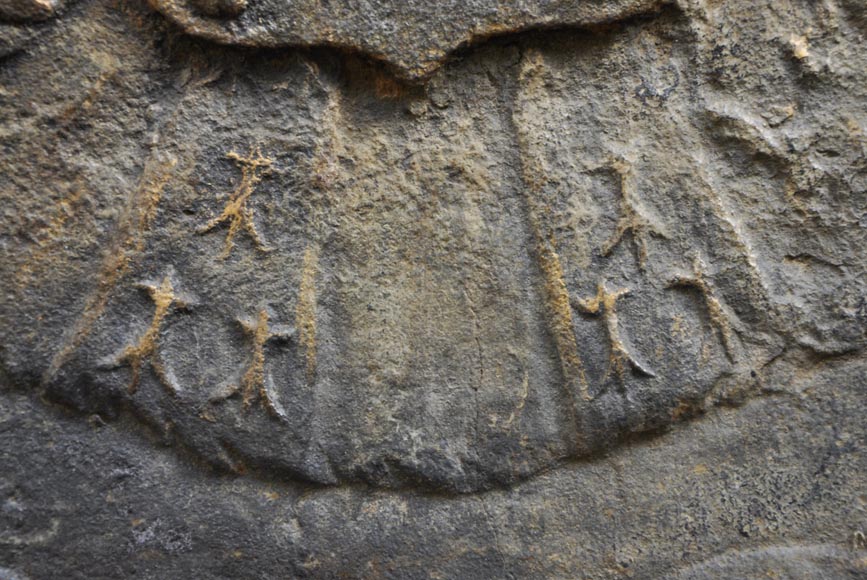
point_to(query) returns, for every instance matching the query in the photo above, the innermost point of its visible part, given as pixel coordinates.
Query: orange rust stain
(138, 220)
(253, 382)
(305, 311)
(557, 300)
(236, 212)
(147, 348)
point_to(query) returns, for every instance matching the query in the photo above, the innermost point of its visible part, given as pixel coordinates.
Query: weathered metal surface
(586, 301)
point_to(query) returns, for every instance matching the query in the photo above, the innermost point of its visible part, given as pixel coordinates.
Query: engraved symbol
(253, 169)
(718, 317)
(605, 304)
(252, 385)
(631, 220)
(147, 348)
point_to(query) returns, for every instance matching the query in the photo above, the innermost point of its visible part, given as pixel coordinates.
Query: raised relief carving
(417, 316)
(254, 383)
(447, 289)
(146, 349)
(236, 211)
(558, 302)
(632, 220)
(719, 320)
(605, 305)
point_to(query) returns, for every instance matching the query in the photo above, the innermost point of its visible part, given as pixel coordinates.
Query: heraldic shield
(322, 272)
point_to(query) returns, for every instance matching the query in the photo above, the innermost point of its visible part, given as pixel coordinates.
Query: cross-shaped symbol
(147, 348)
(252, 384)
(253, 168)
(605, 304)
(631, 220)
(718, 318)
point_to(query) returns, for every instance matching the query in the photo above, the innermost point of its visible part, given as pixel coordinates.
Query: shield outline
(413, 38)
